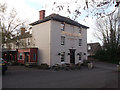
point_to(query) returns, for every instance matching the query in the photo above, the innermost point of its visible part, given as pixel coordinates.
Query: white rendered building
(59, 39)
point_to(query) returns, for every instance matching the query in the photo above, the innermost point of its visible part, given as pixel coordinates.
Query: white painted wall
(47, 37)
(56, 46)
(41, 37)
(84, 44)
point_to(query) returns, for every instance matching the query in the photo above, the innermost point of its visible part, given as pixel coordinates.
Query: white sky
(29, 9)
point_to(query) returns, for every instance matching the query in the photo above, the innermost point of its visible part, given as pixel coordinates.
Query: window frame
(62, 56)
(28, 41)
(89, 47)
(62, 26)
(80, 42)
(80, 55)
(34, 56)
(62, 40)
(80, 29)
(20, 55)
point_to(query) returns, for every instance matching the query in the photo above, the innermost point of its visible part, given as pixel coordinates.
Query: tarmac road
(102, 76)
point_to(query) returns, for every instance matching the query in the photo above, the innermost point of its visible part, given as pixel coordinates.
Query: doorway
(26, 57)
(72, 56)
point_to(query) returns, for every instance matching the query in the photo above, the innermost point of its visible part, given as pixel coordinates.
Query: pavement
(103, 75)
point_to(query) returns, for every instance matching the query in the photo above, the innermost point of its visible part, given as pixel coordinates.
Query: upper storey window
(80, 42)
(80, 29)
(62, 40)
(62, 26)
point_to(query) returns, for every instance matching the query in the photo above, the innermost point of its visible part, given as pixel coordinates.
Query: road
(102, 76)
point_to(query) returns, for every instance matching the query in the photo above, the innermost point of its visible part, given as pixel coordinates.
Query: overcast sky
(29, 9)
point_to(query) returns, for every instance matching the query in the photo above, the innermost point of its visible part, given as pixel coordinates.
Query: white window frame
(62, 40)
(62, 26)
(80, 42)
(62, 56)
(89, 47)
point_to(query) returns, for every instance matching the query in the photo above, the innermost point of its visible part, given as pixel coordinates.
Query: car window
(1, 60)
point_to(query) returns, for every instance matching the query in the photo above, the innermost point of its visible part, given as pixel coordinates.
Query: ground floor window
(80, 55)
(62, 56)
(80, 42)
(20, 56)
(34, 56)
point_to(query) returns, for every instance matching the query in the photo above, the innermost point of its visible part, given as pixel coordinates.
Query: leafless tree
(107, 31)
(9, 23)
(94, 8)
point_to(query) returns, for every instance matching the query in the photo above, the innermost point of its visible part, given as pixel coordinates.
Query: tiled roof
(94, 47)
(59, 18)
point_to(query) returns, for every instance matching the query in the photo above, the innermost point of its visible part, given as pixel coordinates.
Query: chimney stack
(41, 14)
(22, 30)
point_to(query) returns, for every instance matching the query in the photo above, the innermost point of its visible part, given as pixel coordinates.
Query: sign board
(71, 34)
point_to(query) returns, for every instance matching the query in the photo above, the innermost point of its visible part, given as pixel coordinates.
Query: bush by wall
(112, 56)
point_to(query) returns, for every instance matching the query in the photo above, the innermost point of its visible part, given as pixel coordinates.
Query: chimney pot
(42, 14)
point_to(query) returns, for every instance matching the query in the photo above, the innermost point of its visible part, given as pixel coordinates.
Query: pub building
(59, 39)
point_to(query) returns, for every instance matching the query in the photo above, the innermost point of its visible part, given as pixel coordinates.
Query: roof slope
(94, 48)
(59, 18)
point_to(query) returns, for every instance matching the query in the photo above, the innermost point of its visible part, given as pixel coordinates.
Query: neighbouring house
(22, 40)
(93, 48)
(22, 55)
(20, 46)
(27, 56)
(59, 39)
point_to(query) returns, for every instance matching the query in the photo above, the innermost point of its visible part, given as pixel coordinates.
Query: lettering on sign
(71, 34)
(71, 38)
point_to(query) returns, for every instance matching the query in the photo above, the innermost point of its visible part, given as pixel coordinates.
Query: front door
(26, 57)
(72, 56)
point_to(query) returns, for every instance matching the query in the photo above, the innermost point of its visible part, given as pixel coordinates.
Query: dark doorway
(26, 57)
(9, 55)
(72, 56)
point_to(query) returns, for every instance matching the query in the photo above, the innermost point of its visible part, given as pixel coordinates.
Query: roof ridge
(60, 18)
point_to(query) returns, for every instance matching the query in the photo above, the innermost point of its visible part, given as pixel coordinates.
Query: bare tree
(107, 31)
(9, 23)
(94, 8)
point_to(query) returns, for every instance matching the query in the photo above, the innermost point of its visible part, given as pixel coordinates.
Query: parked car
(3, 66)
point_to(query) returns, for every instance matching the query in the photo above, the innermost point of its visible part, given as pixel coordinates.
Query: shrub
(65, 66)
(14, 63)
(56, 67)
(85, 62)
(90, 65)
(43, 66)
(78, 65)
(72, 66)
(112, 56)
